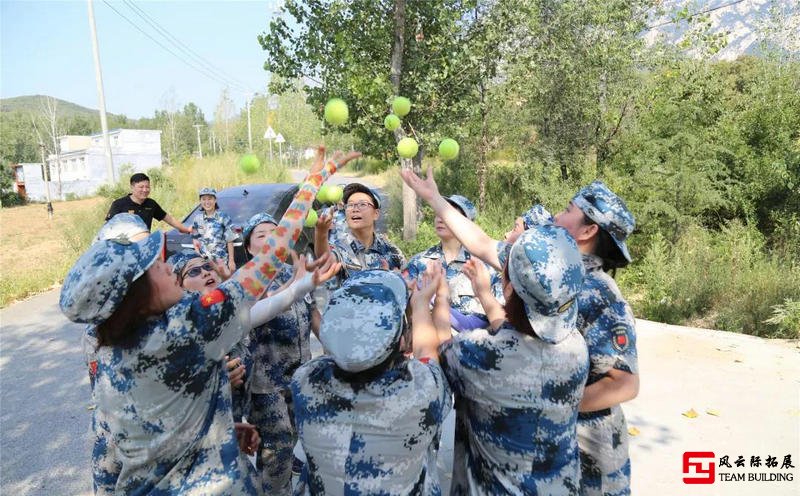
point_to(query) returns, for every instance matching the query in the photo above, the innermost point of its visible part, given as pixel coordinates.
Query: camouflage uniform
(163, 418)
(462, 297)
(369, 418)
(517, 395)
(607, 323)
(356, 257)
(338, 224)
(278, 348)
(163, 421)
(240, 396)
(214, 233)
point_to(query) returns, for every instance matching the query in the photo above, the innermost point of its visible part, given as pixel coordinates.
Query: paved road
(753, 384)
(44, 394)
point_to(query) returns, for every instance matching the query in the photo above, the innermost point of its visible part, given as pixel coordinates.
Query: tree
(570, 69)
(223, 114)
(366, 52)
(17, 139)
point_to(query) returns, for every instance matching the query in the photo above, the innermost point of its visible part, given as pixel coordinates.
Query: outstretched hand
(325, 268)
(319, 161)
(427, 189)
(476, 272)
(427, 287)
(342, 159)
(324, 221)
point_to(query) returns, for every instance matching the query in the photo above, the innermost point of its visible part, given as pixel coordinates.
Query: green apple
(311, 218)
(448, 149)
(391, 122)
(401, 106)
(249, 163)
(407, 147)
(336, 112)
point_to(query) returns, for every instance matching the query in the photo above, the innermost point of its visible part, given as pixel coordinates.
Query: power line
(723, 6)
(201, 70)
(147, 18)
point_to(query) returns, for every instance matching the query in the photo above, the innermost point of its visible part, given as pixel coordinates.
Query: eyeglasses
(358, 206)
(197, 270)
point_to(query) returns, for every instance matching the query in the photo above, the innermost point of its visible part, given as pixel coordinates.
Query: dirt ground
(30, 241)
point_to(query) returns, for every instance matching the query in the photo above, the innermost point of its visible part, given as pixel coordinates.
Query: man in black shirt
(138, 203)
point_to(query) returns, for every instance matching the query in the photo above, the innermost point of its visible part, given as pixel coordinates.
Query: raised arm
(482, 287)
(257, 274)
(424, 336)
(321, 270)
(469, 234)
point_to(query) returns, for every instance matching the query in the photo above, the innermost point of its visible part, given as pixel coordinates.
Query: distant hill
(31, 104)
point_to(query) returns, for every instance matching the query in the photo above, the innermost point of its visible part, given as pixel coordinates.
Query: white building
(83, 163)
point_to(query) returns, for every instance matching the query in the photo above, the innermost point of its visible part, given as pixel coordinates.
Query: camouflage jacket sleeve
(611, 339)
(220, 318)
(414, 268)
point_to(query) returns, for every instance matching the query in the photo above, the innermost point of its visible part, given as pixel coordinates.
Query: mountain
(744, 22)
(32, 104)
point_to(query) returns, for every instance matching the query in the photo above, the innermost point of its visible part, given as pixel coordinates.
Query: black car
(241, 203)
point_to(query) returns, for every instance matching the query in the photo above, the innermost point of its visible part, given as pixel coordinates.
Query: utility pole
(199, 143)
(249, 128)
(101, 96)
(46, 171)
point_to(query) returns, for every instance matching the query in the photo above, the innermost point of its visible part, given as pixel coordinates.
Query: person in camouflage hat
(369, 417)
(600, 222)
(534, 216)
(163, 420)
(465, 309)
(212, 231)
(518, 384)
(278, 348)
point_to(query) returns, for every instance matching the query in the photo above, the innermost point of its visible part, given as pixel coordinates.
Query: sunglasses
(197, 270)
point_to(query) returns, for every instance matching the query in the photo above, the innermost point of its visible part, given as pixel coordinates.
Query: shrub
(726, 276)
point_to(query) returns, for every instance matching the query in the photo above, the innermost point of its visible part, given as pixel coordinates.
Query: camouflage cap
(609, 212)
(546, 270)
(537, 215)
(122, 226)
(256, 220)
(363, 320)
(99, 280)
(463, 204)
(180, 259)
(207, 191)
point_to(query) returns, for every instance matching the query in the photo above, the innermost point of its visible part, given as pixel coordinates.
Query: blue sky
(46, 49)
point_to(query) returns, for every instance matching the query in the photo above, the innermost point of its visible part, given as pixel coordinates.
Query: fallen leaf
(91, 407)
(633, 431)
(712, 411)
(690, 413)
(737, 361)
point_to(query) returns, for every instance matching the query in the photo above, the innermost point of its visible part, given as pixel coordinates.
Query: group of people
(197, 364)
